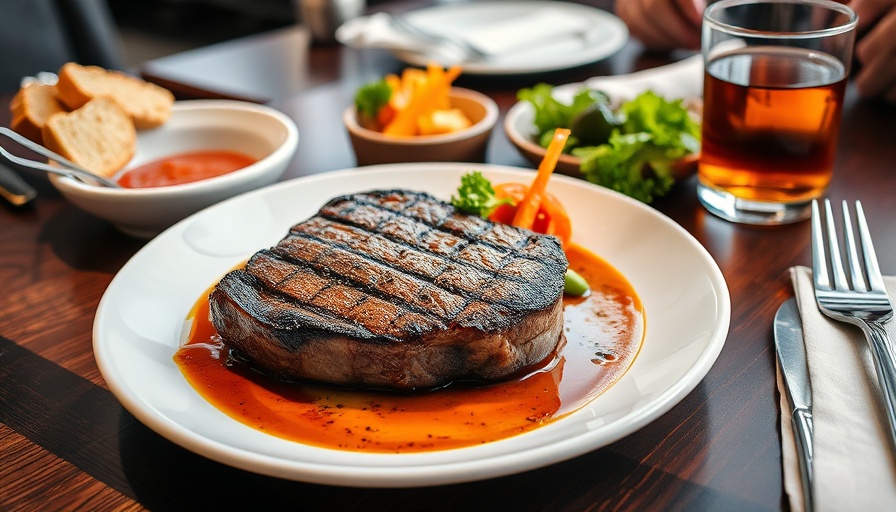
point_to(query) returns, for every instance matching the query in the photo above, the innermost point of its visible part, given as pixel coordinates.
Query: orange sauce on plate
(603, 333)
(185, 168)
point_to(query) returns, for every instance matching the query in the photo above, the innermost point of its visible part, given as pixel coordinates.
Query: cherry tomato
(551, 218)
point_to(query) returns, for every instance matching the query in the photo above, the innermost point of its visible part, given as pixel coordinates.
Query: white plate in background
(607, 35)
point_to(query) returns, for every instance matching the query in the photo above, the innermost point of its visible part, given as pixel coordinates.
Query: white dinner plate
(607, 35)
(140, 323)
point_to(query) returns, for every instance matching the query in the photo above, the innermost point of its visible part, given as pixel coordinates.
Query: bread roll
(31, 107)
(99, 136)
(148, 105)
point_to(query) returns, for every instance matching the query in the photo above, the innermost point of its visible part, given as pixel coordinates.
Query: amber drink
(771, 111)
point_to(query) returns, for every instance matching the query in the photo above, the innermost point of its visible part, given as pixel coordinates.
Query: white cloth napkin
(499, 38)
(855, 469)
(682, 79)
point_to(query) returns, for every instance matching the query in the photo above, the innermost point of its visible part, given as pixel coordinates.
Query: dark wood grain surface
(66, 442)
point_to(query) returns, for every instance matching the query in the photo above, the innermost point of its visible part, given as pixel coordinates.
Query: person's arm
(663, 24)
(875, 48)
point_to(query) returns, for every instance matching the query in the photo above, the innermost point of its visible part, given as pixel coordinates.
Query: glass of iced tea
(774, 78)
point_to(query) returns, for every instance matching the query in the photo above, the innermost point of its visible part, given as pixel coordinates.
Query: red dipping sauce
(185, 168)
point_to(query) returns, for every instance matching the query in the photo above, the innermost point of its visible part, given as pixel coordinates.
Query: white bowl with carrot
(420, 117)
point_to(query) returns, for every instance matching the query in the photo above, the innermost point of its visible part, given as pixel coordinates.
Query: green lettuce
(637, 158)
(551, 113)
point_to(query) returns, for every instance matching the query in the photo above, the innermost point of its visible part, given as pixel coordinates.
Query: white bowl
(255, 130)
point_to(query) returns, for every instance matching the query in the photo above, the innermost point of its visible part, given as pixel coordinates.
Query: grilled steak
(395, 289)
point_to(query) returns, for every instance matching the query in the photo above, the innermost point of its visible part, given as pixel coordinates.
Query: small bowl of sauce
(208, 151)
(185, 168)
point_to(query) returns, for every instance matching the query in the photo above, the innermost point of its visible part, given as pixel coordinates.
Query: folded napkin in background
(495, 39)
(375, 31)
(854, 465)
(522, 32)
(682, 79)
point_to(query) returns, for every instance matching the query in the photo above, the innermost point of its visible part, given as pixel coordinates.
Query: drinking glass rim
(800, 34)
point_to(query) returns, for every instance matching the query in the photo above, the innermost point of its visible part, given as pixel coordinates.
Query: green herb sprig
(476, 195)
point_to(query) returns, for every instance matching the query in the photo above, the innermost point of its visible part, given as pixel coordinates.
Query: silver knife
(792, 358)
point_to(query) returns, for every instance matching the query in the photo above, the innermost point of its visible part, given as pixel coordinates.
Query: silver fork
(865, 303)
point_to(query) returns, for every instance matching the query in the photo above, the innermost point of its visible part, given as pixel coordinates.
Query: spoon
(68, 168)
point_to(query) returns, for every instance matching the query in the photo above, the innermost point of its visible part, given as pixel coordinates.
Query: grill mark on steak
(468, 247)
(357, 239)
(516, 286)
(309, 293)
(374, 278)
(279, 315)
(382, 281)
(395, 269)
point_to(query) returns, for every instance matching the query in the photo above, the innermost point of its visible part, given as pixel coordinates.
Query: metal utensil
(465, 51)
(14, 189)
(323, 17)
(68, 168)
(795, 371)
(857, 301)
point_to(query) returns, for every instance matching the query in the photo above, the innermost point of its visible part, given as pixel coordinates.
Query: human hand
(663, 24)
(875, 48)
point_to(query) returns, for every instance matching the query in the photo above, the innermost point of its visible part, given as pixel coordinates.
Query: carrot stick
(443, 77)
(528, 207)
(452, 73)
(405, 121)
(436, 77)
(425, 98)
(434, 72)
(447, 77)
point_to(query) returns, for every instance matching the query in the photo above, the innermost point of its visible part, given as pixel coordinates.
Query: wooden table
(66, 442)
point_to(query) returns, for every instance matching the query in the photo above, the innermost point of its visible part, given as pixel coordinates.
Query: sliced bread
(98, 136)
(148, 105)
(31, 107)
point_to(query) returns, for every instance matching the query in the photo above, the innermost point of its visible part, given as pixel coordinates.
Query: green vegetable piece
(631, 150)
(593, 126)
(551, 113)
(637, 160)
(371, 97)
(574, 284)
(630, 164)
(475, 195)
(669, 121)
